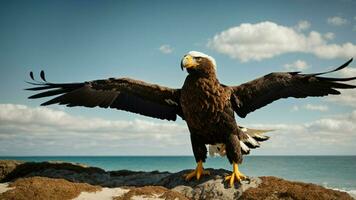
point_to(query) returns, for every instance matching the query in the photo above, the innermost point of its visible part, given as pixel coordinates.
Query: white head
(192, 59)
(202, 55)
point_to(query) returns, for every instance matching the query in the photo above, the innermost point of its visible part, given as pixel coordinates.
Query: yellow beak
(188, 62)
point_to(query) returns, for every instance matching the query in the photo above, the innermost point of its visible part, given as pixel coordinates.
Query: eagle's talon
(236, 175)
(198, 172)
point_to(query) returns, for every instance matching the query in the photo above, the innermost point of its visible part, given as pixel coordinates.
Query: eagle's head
(197, 62)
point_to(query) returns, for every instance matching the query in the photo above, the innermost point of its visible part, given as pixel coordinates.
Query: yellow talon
(198, 172)
(235, 174)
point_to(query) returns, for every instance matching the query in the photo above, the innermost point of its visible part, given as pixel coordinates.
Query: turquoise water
(337, 172)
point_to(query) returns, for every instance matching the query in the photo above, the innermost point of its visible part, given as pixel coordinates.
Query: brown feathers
(257, 93)
(124, 94)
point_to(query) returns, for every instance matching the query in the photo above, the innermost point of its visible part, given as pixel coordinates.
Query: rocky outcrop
(46, 188)
(126, 184)
(273, 188)
(8, 166)
(209, 187)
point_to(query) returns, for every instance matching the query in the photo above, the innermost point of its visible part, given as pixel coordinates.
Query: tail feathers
(252, 140)
(244, 148)
(256, 134)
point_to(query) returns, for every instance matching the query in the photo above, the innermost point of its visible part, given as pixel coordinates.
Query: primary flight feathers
(123, 93)
(257, 93)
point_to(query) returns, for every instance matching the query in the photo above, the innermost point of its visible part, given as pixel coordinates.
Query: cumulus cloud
(24, 126)
(44, 131)
(332, 135)
(298, 65)
(166, 49)
(303, 25)
(337, 21)
(267, 39)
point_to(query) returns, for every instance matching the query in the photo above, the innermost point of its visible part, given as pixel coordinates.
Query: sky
(75, 41)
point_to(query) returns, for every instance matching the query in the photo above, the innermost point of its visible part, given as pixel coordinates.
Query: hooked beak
(188, 62)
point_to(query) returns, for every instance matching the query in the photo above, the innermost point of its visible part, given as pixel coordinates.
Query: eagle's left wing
(119, 93)
(258, 93)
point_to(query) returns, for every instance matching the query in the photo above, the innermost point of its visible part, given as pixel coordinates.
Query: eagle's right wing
(258, 93)
(120, 93)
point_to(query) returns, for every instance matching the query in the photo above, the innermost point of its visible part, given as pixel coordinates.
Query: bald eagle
(207, 106)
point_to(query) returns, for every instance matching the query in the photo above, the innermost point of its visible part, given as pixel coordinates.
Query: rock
(209, 187)
(159, 185)
(42, 188)
(7, 166)
(273, 188)
(81, 173)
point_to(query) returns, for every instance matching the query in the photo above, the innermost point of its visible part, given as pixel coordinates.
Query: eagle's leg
(198, 172)
(233, 153)
(200, 151)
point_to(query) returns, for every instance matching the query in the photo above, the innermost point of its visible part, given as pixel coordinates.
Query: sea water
(336, 172)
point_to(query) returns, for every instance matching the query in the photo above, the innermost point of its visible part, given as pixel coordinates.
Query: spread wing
(120, 93)
(258, 93)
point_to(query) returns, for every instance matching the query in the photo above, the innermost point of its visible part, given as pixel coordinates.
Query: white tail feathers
(254, 136)
(244, 148)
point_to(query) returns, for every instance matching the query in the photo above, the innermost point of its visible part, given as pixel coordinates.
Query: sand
(4, 187)
(104, 194)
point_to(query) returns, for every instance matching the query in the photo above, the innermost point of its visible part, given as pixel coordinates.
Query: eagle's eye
(198, 58)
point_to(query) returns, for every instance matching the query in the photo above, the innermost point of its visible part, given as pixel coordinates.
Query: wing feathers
(42, 75)
(31, 76)
(258, 93)
(124, 94)
(49, 93)
(337, 69)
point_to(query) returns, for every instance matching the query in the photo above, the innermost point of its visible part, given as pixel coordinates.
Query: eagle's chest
(203, 100)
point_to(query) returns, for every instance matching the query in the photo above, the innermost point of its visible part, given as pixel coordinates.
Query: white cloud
(166, 49)
(337, 21)
(347, 98)
(267, 39)
(321, 108)
(348, 71)
(22, 126)
(332, 135)
(43, 119)
(303, 25)
(329, 35)
(44, 131)
(298, 65)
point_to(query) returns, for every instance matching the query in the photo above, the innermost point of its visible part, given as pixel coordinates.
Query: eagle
(207, 106)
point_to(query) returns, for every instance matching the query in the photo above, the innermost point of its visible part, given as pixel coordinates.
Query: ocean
(336, 172)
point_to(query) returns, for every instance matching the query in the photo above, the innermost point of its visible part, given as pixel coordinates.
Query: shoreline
(93, 179)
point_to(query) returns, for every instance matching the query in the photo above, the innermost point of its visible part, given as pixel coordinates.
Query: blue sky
(86, 40)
